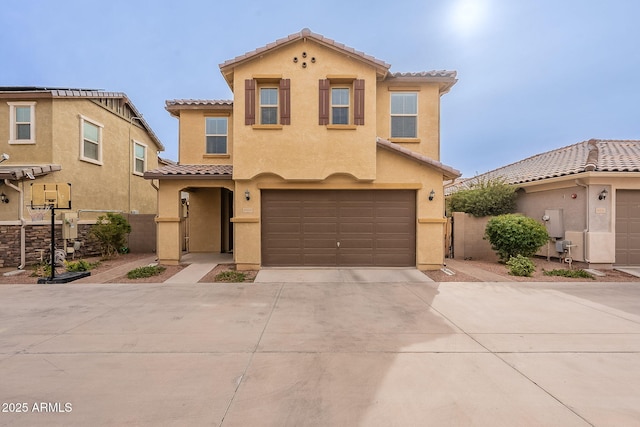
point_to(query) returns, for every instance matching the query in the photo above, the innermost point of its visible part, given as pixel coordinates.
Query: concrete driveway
(320, 354)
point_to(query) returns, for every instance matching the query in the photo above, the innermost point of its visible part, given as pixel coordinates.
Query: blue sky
(534, 75)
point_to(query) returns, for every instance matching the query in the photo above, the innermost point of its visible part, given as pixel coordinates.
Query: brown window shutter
(285, 101)
(323, 107)
(358, 102)
(249, 102)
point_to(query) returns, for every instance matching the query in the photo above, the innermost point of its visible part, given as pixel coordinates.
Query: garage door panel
(374, 227)
(628, 227)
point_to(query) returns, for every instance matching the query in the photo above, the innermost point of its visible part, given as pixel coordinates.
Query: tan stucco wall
(428, 140)
(192, 146)
(304, 149)
(110, 186)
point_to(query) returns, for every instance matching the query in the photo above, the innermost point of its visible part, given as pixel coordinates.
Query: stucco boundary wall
(468, 241)
(38, 237)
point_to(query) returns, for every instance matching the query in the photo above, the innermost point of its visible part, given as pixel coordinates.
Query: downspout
(23, 236)
(585, 252)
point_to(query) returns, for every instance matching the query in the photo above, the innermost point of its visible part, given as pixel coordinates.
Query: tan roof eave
(227, 68)
(447, 171)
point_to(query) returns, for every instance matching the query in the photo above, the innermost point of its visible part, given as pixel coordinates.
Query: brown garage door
(627, 227)
(338, 228)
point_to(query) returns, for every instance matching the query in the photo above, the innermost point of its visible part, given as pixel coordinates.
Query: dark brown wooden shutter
(285, 101)
(324, 106)
(249, 102)
(358, 102)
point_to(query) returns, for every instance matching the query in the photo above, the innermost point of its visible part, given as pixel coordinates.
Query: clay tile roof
(174, 106)
(191, 172)
(447, 171)
(203, 102)
(588, 156)
(305, 33)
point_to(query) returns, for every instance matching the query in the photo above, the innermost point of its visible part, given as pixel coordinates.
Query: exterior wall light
(432, 194)
(4, 198)
(247, 195)
(603, 194)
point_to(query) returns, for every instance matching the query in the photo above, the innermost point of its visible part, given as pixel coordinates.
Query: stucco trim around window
(14, 123)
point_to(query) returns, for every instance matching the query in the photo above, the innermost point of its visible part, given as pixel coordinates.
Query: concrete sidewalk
(321, 354)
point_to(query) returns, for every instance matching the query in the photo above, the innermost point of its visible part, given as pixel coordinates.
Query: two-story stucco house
(323, 158)
(95, 140)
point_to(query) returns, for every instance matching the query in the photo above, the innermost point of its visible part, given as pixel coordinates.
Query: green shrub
(581, 274)
(147, 271)
(521, 266)
(230, 276)
(111, 232)
(80, 265)
(511, 235)
(486, 198)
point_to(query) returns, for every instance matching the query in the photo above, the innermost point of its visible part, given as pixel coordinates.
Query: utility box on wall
(553, 220)
(69, 225)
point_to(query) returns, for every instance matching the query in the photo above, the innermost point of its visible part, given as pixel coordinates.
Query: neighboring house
(323, 158)
(586, 193)
(95, 140)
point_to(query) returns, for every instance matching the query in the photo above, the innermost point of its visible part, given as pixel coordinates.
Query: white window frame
(135, 158)
(275, 106)
(13, 136)
(346, 106)
(392, 114)
(99, 142)
(226, 135)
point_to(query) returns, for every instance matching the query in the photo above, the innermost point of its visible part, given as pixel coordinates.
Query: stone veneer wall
(38, 236)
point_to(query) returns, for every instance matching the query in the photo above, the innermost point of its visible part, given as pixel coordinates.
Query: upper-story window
(404, 115)
(269, 106)
(272, 95)
(91, 141)
(340, 105)
(216, 134)
(341, 101)
(139, 158)
(22, 122)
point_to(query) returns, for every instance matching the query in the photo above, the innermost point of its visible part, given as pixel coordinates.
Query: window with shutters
(270, 96)
(404, 115)
(340, 105)
(341, 102)
(22, 124)
(268, 106)
(90, 141)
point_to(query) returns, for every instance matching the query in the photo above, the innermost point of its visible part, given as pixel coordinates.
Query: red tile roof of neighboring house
(191, 172)
(595, 155)
(447, 171)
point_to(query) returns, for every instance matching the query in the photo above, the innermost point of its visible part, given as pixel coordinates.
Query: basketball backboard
(54, 195)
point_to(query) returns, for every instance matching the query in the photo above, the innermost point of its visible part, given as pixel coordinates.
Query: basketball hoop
(38, 213)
